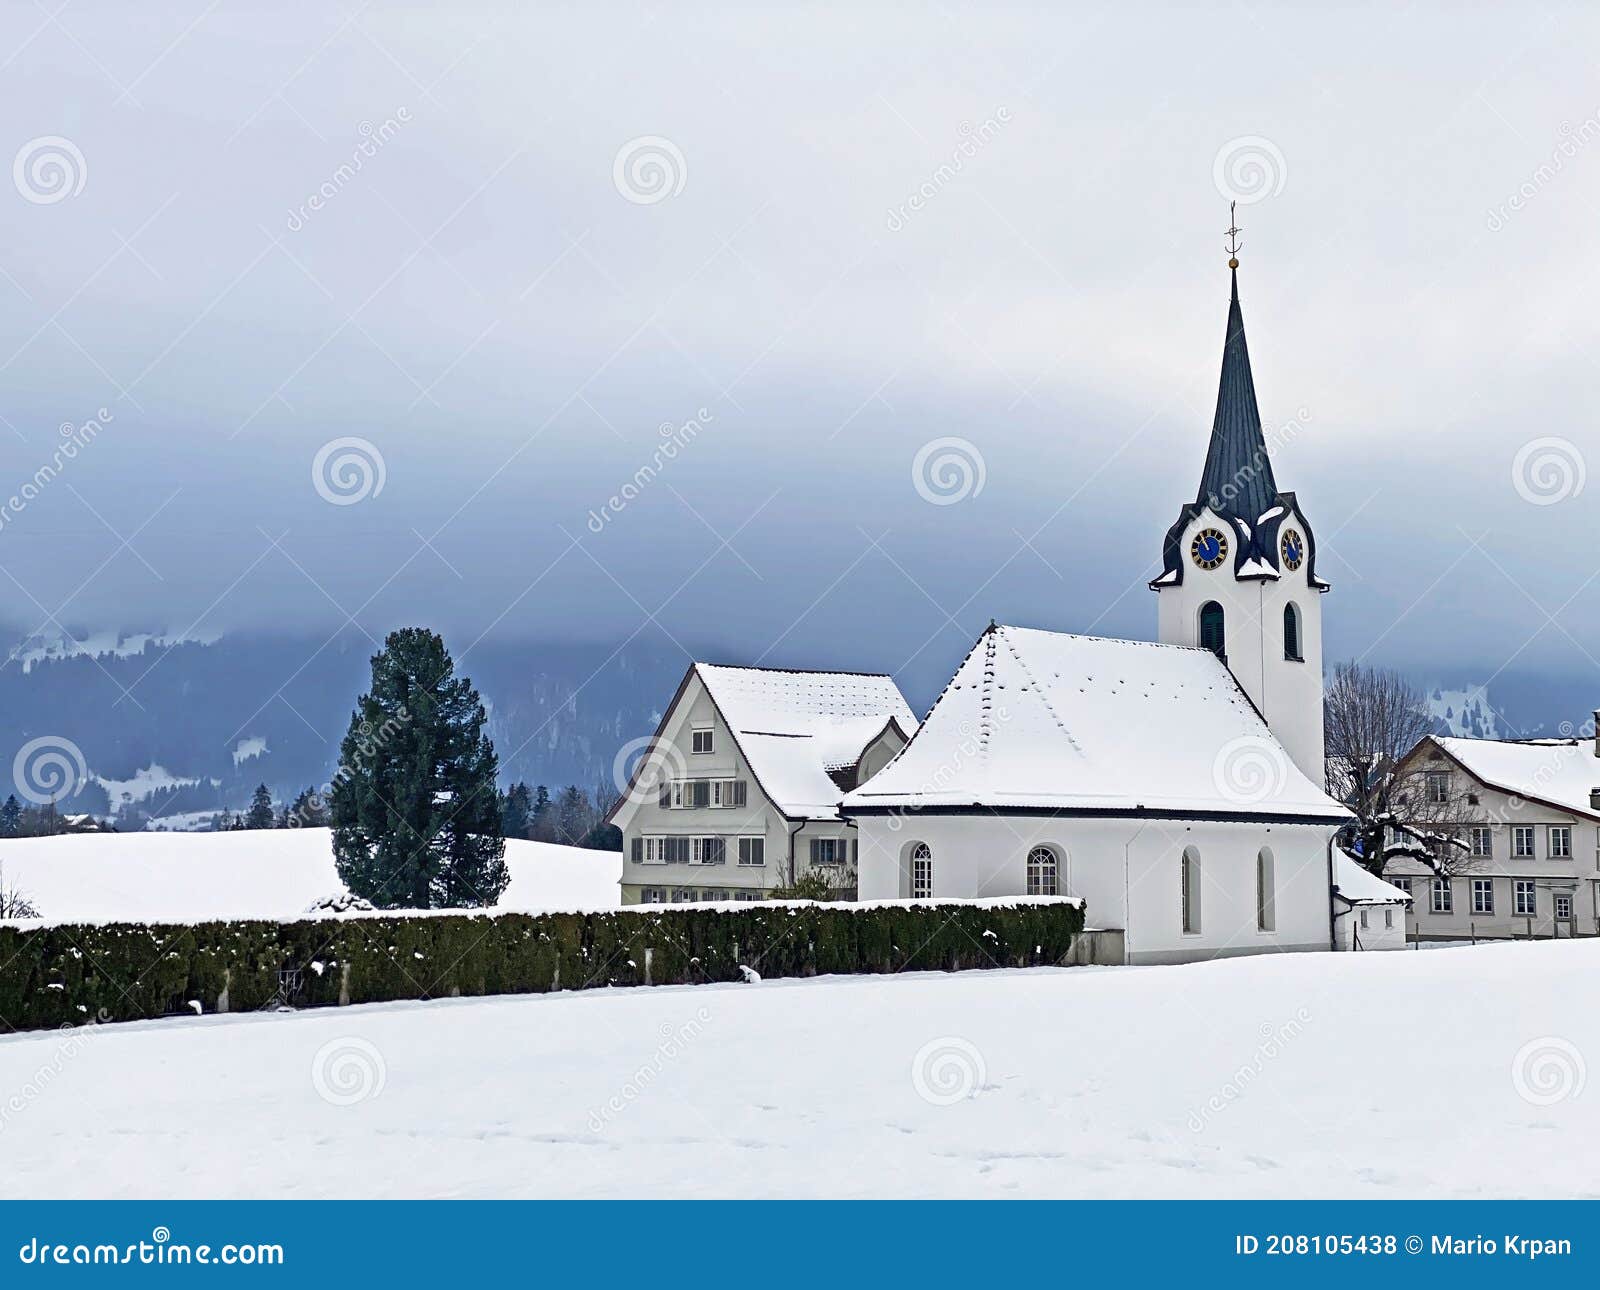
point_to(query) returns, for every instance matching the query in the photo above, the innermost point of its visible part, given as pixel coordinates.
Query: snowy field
(1454, 1074)
(270, 873)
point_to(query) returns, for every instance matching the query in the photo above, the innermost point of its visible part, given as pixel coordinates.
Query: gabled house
(740, 790)
(1528, 859)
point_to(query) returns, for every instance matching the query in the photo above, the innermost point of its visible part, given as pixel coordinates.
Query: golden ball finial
(1233, 262)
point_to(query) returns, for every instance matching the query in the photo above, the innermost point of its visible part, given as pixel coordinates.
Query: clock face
(1209, 548)
(1293, 547)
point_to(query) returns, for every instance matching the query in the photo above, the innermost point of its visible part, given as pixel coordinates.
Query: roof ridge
(1113, 640)
(795, 671)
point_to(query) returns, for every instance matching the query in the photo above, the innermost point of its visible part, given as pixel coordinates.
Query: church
(1176, 785)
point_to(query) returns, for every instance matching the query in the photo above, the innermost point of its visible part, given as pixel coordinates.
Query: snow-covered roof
(1560, 772)
(793, 727)
(1358, 886)
(1037, 720)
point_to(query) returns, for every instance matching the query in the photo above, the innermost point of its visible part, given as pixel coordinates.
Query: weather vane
(1234, 244)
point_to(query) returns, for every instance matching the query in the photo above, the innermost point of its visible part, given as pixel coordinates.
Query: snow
(107, 643)
(247, 749)
(1558, 771)
(939, 1086)
(154, 778)
(269, 873)
(791, 726)
(1048, 720)
(1358, 886)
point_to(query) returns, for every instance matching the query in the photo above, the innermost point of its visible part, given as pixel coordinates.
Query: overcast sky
(842, 236)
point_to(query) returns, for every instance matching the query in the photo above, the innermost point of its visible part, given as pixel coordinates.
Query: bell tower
(1239, 564)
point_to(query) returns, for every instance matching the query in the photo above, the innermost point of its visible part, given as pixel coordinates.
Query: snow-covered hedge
(61, 974)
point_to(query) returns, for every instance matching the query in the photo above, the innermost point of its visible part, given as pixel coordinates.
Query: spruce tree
(415, 811)
(10, 817)
(518, 808)
(541, 820)
(259, 815)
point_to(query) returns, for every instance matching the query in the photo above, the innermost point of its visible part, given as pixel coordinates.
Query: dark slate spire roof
(1238, 476)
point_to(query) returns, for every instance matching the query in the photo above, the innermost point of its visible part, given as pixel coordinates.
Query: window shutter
(666, 794)
(739, 792)
(702, 792)
(638, 850)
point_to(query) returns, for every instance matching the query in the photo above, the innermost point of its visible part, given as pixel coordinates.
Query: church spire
(1238, 475)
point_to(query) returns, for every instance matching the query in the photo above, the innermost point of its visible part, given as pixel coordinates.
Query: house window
(1522, 841)
(710, 851)
(1291, 632)
(830, 850)
(682, 895)
(921, 872)
(1191, 891)
(1363, 920)
(653, 895)
(1527, 900)
(1563, 907)
(1561, 842)
(1483, 895)
(746, 894)
(1438, 786)
(1212, 635)
(752, 851)
(713, 893)
(1042, 872)
(1403, 883)
(1443, 901)
(727, 792)
(1266, 892)
(1388, 918)
(704, 740)
(674, 850)
(1482, 840)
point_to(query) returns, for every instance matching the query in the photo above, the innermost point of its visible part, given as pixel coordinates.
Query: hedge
(64, 974)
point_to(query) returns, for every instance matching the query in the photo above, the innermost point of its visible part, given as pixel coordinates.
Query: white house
(1368, 913)
(738, 791)
(1530, 825)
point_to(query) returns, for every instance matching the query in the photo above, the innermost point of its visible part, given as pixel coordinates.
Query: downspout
(793, 833)
(1333, 918)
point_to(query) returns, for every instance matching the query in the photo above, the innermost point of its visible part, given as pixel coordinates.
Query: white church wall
(1128, 872)
(1385, 927)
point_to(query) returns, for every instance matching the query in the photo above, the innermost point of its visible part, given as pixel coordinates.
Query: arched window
(1191, 891)
(1291, 631)
(1211, 634)
(1043, 873)
(1266, 892)
(921, 872)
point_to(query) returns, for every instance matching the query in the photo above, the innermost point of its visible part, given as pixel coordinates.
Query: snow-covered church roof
(794, 728)
(1036, 720)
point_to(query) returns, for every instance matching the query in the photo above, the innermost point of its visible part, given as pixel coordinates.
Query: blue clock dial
(1293, 548)
(1209, 549)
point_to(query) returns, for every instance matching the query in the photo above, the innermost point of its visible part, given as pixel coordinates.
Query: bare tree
(13, 904)
(1373, 719)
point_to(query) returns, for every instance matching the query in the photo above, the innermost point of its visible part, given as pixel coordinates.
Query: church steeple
(1238, 475)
